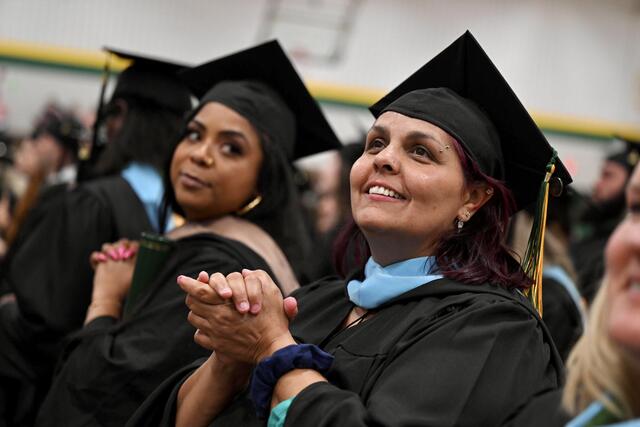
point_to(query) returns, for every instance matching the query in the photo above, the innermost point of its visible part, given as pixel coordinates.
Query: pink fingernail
(113, 255)
(244, 306)
(101, 257)
(255, 308)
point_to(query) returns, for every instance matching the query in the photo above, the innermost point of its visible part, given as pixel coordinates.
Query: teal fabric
(382, 284)
(147, 183)
(279, 413)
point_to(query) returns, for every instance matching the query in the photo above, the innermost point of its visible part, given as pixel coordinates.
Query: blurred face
(623, 267)
(39, 155)
(408, 188)
(115, 119)
(214, 170)
(50, 152)
(327, 188)
(613, 178)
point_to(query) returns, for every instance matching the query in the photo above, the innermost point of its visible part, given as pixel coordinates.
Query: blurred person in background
(603, 213)
(51, 152)
(332, 206)
(48, 159)
(563, 308)
(604, 368)
(47, 267)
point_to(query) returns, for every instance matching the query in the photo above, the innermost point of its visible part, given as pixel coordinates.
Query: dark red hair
(474, 255)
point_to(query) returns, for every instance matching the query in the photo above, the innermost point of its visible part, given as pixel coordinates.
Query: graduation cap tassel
(534, 255)
(99, 112)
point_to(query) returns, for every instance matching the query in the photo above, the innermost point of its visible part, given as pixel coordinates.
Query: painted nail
(113, 255)
(255, 308)
(244, 306)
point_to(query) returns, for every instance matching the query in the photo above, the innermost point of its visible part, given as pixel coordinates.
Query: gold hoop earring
(249, 206)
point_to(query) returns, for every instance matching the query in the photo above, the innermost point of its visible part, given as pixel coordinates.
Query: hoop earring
(249, 206)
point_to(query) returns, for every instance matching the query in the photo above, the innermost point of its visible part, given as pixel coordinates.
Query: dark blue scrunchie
(270, 369)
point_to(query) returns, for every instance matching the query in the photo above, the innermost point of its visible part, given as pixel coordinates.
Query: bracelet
(270, 369)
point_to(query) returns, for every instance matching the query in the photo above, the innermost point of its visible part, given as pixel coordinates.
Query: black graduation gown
(443, 354)
(50, 275)
(561, 315)
(111, 366)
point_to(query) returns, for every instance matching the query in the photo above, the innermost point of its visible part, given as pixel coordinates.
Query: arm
(114, 270)
(245, 337)
(208, 391)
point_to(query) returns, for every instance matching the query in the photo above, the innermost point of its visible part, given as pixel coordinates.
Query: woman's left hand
(245, 337)
(114, 270)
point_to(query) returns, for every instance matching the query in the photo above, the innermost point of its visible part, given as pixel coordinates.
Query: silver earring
(460, 225)
(489, 191)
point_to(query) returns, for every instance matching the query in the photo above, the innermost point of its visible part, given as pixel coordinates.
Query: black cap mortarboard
(629, 156)
(261, 84)
(462, 92)
(152, 80)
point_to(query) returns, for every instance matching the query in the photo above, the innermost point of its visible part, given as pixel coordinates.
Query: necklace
(362, 315)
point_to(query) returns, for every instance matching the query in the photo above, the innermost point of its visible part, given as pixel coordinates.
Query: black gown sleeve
(476, 369)
(111, 367)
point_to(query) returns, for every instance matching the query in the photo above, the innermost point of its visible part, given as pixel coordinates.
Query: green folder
(153, 252)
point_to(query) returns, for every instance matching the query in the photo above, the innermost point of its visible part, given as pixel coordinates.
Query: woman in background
(230, 177)
(47, 268)
(604, 367)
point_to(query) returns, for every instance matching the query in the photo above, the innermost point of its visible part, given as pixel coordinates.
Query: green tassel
(534, 255)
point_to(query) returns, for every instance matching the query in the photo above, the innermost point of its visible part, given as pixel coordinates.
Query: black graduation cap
(63, 126)
(628, 156)
(261, 84)
(457, 91)
(152, 80)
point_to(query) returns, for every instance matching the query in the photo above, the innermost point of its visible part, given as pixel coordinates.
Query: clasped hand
(242, 316)
(113, 266)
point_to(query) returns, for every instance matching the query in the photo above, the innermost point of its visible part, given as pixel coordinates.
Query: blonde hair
(598, 369)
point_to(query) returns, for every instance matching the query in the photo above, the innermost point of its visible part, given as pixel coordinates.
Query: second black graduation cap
(518, 154)
(628, 156)
(153, 80)
(268, 64)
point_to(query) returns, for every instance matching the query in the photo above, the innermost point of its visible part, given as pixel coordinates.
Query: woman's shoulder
(330, 287)
(210, 246)
(447, 291)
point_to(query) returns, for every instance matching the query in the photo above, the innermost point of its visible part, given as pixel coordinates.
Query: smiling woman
(215, 168)
(432, 328)
(230, 176)
(604, 367)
